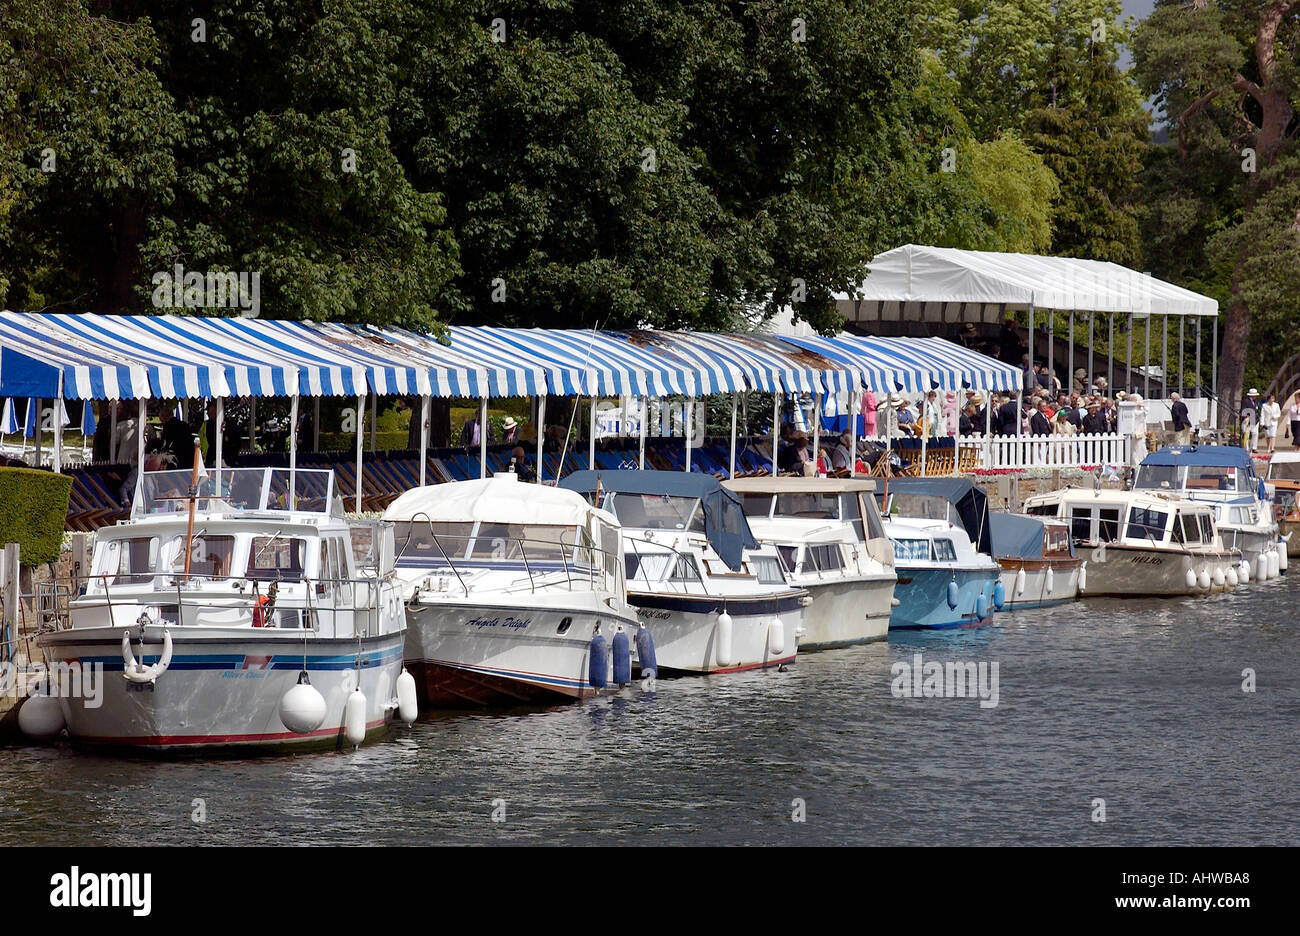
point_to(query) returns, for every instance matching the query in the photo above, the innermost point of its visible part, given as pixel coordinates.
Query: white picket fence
(1051, 451)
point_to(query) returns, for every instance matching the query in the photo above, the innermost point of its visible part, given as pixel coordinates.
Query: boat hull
(922, 594)
(685, 630)
(1286, 528)
(1140, 572)
(1251, 543)
(847, 612)
(1036, 593)
(483, 655)
(222, 692)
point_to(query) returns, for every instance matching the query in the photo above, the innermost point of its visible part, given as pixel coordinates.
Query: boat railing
(366, 604)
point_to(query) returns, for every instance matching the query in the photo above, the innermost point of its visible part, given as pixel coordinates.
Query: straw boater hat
(1081, 373)
(978, 399)
(897, 399)
(1253, 392)
(508, 423)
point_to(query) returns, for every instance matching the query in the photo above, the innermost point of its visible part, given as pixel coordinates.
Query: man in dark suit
(1095, 422)
(1008, 416)
(1182, 423)
(1039, 424)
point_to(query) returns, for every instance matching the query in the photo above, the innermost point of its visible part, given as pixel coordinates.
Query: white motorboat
(829, 538)
(1039, 565)
(252, 614)
(1224, 477)
(715, 599)
(1140, 544)
(513, 591)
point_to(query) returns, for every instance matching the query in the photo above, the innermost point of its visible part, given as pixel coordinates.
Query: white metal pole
(221, 431)
(424, 439)
(374, 421)
(731, 473)
(645, 415)
(482, 437)
(58, 428)
(315, 424)
(361, 435)
(817, 427)
(686, 428)
(855, 405)
(776, 424)
(541, 438)
(252, 425)
(143, 415)
(591, 433)
(293, 451)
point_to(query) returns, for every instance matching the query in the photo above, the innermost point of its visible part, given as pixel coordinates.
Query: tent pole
(645, 415)
(1214, 375)
(1051, 348)
(252, 425)
(1030, 371)
(1182, 336)
(591, 433)
(220, 432)
(315, 424)
(58, 429)
(361, 435)
(1110, 359)
(1164, 360)
(855, 405)
(112, 429)
(686, 428)
(482, 437)
(424, 439)
(1128, 358)
(1087, 380)
(776, 422)
(1198, 358)
(817, 428)
(1068, 383)
(988, 430)
(293, 451)
(36, 428)
(1146, 360)
(143, 414)
(541, 438)
(374, 420)
(731, 473)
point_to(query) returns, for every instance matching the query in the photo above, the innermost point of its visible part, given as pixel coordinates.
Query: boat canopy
(500, 499)
(724, 517)
(1216, 456)
(1016, 536)
(968, 499)
(779, 485)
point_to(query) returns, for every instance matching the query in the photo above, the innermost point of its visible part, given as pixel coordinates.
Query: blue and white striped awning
(921, 364)
(580, 363)
(729, 359)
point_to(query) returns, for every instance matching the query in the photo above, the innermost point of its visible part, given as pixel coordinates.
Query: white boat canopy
(496, 500)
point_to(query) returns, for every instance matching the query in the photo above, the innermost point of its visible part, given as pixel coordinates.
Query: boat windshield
(911, 550)
(657, 511)
(236, 489)
(756, 505)
(1146, 523)
(1284, 471)
(1158, 477)
(1216, 478)
(420, 539)
(920, 506)
(812, 505)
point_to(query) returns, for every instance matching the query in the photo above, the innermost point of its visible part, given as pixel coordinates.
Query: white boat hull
(686, 630)
(1036, 593)
(222, 689)
(846, 612)
(476, 655)
(1139, 572)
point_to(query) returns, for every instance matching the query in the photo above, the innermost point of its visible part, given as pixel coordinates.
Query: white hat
(508, 423)
(1253, 392)
(897, 399)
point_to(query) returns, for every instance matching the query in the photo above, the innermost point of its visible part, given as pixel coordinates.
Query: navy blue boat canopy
(966, 497)
(724, 517)
(1218, 456)
(1016, 536)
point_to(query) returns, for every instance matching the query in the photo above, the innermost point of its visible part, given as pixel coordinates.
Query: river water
(1139, 704)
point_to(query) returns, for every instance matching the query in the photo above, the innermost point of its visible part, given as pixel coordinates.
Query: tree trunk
(1232, 362)
(439, 422)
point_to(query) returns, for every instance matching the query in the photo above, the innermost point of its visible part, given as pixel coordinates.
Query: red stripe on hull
(768, 664)
(186, 742)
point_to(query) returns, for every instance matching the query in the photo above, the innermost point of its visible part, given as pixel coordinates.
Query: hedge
(33, 509)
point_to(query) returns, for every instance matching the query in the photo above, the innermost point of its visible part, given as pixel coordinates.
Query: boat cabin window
(210, 556)
(911, 550)
(276, 559)
(920, 506)
(657, 511)
(1187, 530)
(1108, 524)
(874, 528)
(851, 513)
(126, 561)
(823, 558)
(944, 551)
(1217, 478)
(1083, 517)
(808, 505)
(1284, 471)
(1207, 528)
(1042, 510)
(756, 505)
(660, 567)
(1146, 523)
(1056, 540)
(1158, 477)
(1081, 523)
(1242, 515)
(767, 569)
(789, 556)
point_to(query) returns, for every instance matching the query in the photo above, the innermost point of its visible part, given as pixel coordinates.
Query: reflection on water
(1135, 702)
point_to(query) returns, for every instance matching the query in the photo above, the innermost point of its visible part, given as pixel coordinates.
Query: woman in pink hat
(950, 413)
(869, 405)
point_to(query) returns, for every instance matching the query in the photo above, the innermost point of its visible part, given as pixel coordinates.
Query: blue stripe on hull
(923, 601)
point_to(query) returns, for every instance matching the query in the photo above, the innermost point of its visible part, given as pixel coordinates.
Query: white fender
(1020, 582)
(137, 672)
(1233, 579)
(407, 710)
(1274, 565)
(1243, 571)
(1219, 578)
(354, 717)
(776, 637)
(1191, 579)
(1281, 556)
(40, 717)
(1261, 568)
(722, 639)
(1051, 579)
(1083, 577)
(1203, 580)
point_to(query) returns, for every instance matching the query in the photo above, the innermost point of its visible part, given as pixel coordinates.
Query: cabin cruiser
(1039, 566)
(715, 599)
(1283, 483)
(829, 538)
(1222, 476)
(237, 610)
(939, 531)
(1142, 544)
(514, 593)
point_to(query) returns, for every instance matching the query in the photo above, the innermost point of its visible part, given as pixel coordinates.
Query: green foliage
(33, 508)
